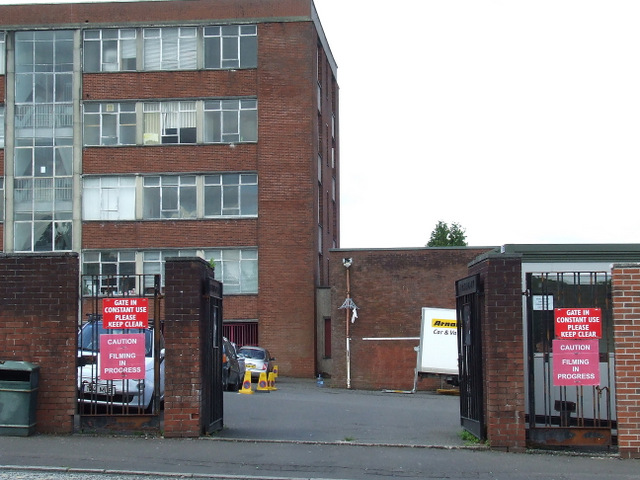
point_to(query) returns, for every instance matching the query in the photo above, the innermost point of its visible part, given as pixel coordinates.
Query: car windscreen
(251, 353)
(89, 337)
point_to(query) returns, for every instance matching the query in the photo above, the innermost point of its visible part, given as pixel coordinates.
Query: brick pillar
(183, 331)
(503, 350)
(626, 334)
(39, 324)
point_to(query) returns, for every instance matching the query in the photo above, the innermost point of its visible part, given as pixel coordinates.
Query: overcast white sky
(519, 120)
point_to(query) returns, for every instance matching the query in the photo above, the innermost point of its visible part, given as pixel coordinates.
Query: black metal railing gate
(212, 353)
(120, 373)
(568, 416)
(469, 308)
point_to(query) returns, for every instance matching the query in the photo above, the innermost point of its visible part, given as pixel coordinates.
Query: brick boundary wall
(184, 330)
(39, 324)
(626, 333)
(503, 350)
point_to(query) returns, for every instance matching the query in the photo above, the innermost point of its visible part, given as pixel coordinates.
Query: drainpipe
(347, 263)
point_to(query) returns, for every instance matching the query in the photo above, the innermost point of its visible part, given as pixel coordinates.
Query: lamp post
(347, 262)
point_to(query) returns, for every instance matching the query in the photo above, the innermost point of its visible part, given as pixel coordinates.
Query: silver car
(131, 394)
(257, 360)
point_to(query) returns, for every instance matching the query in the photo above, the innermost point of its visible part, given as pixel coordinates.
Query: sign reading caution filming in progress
(438, 351)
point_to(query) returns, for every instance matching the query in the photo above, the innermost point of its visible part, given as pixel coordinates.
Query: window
(2, 52)
(110, 50)
(109, 124)
(236, 268)
(43, 169)
(1, 199)
(1, 126)
(231, 194)
(169, 197)
(153, 263)
(228, 121)
(114, 272)
(170, 48)
(109, 198)
(231, 46)
(169, 122)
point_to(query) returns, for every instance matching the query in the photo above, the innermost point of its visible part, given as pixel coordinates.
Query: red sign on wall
(125, 312)
(576, 362)
(122, 356)
(578, 323)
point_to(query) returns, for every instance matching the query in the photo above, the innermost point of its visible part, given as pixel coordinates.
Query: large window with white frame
(236, 268)
(108, 272)
(169, 196)
(1, 126)
(113, 197)
(234, 194)
(231, 121)
(111, 271)
(2, 53)
(170, 122)
(1, 199)
(110, 123)
(231, 46)
(170, 48)
(109, 198)
(110, 50)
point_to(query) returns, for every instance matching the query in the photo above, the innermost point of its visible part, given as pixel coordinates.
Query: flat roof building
(136, 131)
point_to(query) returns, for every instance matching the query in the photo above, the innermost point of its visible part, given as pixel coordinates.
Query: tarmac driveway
(300, 411)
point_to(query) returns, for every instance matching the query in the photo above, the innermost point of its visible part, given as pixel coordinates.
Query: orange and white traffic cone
(246, 383)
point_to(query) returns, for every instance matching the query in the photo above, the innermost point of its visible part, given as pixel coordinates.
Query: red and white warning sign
(578, 323)
(576, 362)
(125, 312)
(122, 356)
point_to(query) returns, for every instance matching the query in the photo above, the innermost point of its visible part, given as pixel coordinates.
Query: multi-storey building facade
(133, 132)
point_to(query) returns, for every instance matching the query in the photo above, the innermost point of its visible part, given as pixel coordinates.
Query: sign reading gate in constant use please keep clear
(125, 312)
(576, 351)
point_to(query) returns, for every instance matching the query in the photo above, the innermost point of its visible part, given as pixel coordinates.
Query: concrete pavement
(301, 431)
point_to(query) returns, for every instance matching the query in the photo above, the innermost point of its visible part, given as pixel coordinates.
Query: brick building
(137, 131)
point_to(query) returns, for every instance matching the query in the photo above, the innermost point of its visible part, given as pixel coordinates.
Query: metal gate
(576, 416)
(212, 356)
(469, 308)
(120, 373)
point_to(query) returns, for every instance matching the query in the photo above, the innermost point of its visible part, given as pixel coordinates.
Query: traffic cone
(263, 384)
(246, 383)
(275, 371)
(272, 381)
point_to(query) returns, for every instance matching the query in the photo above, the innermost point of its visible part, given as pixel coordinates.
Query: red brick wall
(152, 12)
(39, 324)
(503, 350)
(626, 331)
(184, 331)
(390, 287)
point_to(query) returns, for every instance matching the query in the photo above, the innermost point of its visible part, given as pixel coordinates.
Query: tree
(444, 235)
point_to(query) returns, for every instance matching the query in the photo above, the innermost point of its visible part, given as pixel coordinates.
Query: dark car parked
(232, 371)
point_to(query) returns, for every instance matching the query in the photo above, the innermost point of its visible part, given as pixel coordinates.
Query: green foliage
(444, 235)
(469, 438)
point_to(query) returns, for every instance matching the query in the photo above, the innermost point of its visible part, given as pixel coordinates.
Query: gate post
(503, 349)
(626, 331)
(184, 332)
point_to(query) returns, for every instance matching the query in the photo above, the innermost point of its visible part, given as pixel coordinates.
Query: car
(257, 360)
(129, 394)
(232, 368)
